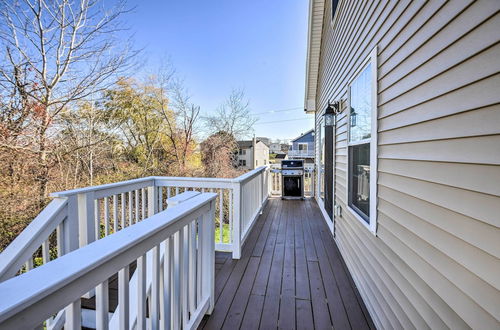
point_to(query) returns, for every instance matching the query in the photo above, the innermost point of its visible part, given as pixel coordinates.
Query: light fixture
(330, 112)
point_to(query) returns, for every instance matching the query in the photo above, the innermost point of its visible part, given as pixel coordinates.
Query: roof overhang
(316, 10)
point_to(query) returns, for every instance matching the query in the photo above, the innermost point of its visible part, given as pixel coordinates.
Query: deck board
(291, 275)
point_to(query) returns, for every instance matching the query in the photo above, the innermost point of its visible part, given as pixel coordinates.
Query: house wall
(247, 157)
(310, 145)
(275, 147)
(307, 139)
(434, 262)
(261, 154)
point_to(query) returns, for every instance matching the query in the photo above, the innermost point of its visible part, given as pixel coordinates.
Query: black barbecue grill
(292, 176)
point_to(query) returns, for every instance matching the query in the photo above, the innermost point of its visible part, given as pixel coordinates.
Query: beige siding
(435, 261)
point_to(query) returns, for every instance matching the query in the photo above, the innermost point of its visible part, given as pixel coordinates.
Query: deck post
(86, 220)
(208, 256)
(152, 200)
(236, 243)
(71, 240)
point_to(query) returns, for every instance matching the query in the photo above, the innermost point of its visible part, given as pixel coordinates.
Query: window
(303, 146)
(256, 162)
(242, 162)
(242, 152)
(362, 144)
(334, 7)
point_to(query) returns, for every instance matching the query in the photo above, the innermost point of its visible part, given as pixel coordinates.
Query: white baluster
(192, 266)
(185, 276)
(137, 206)
(122, 205)
(46, 251)
(141, 293)
(115, 213)
(123, 297)
(102, 305)
(176, 287)
(221, 215)
(73, 319)
(143, 204)
(106, 216)
(130, 208)
(154, 311)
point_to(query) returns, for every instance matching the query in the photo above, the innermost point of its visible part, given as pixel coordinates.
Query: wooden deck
(291, 275)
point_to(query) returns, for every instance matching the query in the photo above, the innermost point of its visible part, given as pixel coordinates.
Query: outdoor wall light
(330, 112)
(353, 117)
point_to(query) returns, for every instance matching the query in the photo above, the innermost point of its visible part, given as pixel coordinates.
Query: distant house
(265, 140)
(252, 154)
(275, 148)
(303, 147)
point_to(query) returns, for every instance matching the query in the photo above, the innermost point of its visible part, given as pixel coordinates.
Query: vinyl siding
(434, 262)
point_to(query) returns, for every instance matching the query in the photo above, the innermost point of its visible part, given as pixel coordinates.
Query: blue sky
(257, 45)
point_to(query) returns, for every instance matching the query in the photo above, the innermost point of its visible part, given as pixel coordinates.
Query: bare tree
(219, 155)
(179, 113)
(233, 116)
(55, 53)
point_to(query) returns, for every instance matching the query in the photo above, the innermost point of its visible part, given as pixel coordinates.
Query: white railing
(301, 153)
(76, 218)
(173, 251)
(275, 179)
(50, 234)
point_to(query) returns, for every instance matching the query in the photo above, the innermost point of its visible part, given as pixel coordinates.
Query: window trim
(372, 219)
(303, 143)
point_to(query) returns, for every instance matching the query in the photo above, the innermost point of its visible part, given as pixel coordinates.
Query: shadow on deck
(290, 275)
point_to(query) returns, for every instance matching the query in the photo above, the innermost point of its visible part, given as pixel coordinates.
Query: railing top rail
(192, 179)
(71, 192)
(152, 179)
(249, 175)
(31, 238)
(96, 262)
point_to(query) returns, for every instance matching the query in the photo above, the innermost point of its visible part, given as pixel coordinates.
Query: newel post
(152, 199)
(208, 256)
(71, 240)
(86, 218)
(236, 235)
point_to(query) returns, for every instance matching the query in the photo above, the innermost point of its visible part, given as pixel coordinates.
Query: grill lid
(292, 163)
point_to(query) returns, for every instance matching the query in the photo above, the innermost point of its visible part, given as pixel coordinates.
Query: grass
(225, 233)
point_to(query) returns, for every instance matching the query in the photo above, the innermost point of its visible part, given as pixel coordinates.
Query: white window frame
(303, 143)
(372, 225)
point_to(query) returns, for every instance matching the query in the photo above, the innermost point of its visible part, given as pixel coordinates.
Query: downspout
(254, 153)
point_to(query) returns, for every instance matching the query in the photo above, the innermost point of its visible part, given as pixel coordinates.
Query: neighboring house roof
(280, 156)
(316, 9)
(244, 144)
(248, 144)
(264, 140)
(305, 137)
